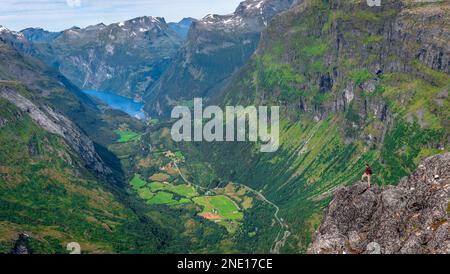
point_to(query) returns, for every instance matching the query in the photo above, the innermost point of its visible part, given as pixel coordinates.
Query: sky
(56, 15)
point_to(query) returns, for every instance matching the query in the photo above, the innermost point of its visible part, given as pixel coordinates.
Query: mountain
(216, 46)
(410, 218)
(52, 187)
(39, 35)
(123, 58)
(182, 27)
(18, 64)
(57, 184)
(355, 84)
(66, 163)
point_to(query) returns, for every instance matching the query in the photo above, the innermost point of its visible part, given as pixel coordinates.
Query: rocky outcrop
(412, 217)
(425, 25)
(58, 124)
(22, 245)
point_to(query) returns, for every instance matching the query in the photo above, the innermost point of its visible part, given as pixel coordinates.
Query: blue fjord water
(115, 101)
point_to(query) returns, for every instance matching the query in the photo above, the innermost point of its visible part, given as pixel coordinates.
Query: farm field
(216, 206)
(127, 136)
(137, 182)
(220, 205)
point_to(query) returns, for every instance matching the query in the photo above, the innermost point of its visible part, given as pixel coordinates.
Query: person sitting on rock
(367, 173)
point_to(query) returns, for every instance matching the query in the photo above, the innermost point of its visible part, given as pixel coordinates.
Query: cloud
(73, 3)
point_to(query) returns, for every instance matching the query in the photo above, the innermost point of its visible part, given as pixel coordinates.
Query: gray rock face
(58, 124)
(22, 245)
(412, 217)
(3, 122)
(422, 24)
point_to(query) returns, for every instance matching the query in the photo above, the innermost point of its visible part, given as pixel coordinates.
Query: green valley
(359, 89)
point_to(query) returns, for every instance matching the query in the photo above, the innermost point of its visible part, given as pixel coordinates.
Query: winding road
(278, 243)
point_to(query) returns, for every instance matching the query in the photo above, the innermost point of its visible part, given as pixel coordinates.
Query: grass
(220, 205)
(313, 49)
(360, 76)
(42, 182)
(157, 186)
(182, 190)
(158, 193)
(137, 182)
(159, 177)
(126, 136)
(145, 193)
(161, 198)
(223, 208)
(181, 201)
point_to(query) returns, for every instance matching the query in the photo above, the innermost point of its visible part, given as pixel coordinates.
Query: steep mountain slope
(47, 84)
(58, 186)
(355, 84)
(411, 218)
(55, 186)
(48, 193)
(182, 27)
(216, 47)
(124, 58)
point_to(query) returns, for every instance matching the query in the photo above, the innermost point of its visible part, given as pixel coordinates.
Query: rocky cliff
(58, 124)
(412, 217)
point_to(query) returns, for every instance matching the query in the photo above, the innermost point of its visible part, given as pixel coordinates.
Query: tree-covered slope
(355, 84)
(47, 193)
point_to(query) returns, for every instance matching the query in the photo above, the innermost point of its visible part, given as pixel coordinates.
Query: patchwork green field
(220, 205)
(161, 198)
(160, 177)
(182, 190)
(216, 207)
(127, 136)
(137, 182)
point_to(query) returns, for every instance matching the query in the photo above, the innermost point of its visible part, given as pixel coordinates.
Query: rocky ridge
(412, 217)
